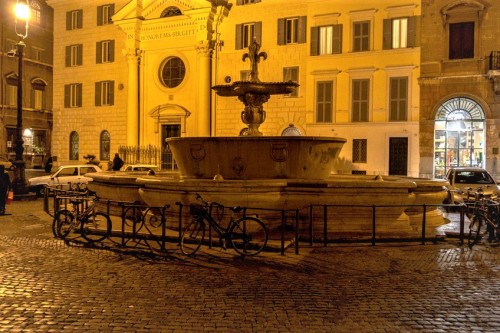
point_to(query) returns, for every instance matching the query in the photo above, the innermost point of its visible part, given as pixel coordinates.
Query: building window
(400, 33)
(245, 75)
(105, 51)
(104, 14)
(74, 55)
(37, 54)
(246, 2)
(36, 12)
(324, 102)
(172, 72)
(291, 74)
(461, 40)
(105, 146)
(361, 36)
(11, 95)
(398, 95)
(74, 143)
(246, 32)
(104, 93)
(38, 94)
(326, 40)
(359, 150)
(171, 11)
(292, 30)
(360, 99)
(74, 19)
(73, 95)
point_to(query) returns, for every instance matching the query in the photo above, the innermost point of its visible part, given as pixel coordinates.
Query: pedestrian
(5, 186)
(48, 164)
(117, 163)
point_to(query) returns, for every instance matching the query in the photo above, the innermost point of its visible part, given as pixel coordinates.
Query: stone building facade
(459, 91)
(37, 69)
(137, 72)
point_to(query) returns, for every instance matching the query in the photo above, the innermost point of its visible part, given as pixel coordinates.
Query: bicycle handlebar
(205, 203)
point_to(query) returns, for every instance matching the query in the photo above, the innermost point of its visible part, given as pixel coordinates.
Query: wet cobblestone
(48, 286)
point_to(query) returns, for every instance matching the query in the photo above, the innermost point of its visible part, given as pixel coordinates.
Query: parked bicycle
(484, 217)
(247, 235)
(93, 226)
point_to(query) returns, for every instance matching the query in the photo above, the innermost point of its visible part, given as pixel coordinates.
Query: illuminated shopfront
(458, 135)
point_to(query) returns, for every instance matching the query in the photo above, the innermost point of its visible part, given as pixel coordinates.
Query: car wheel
(40, 191)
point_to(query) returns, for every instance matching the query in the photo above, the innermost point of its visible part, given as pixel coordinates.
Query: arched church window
(171, 11)
(105, 146)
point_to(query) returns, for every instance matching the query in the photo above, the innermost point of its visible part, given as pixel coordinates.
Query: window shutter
(98, 94)
(79, 94)
(79, 55)
(98, 53)
(281, 31)
(67, 92)
(80, 19)
(111, 51)
(112, 93)
(99, 15)
(314, 41)
(68, 56)
(301, 37)
(258, 32)
(239, 2)
(68, 20)
(337, 39)
(32, 98)
(387, 42)
(239, 37)
(111, 12)
(412, 31)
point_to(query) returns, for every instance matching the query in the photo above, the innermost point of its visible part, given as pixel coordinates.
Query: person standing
(117, 163)
(5, 186)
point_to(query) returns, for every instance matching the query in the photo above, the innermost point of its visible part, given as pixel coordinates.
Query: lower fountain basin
(267, 157)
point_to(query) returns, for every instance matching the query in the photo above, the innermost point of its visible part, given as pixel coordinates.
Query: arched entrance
(458, 135)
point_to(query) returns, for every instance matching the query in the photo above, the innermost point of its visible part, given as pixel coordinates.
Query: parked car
(65, 175)
(6, 164)
(469, 178)
(140, 167)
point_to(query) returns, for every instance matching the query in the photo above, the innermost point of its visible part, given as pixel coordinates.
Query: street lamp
(22, 11)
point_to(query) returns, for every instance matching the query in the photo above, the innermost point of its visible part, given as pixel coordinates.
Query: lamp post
(19, 184)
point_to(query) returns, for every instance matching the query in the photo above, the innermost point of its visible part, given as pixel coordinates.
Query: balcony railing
(495, 60)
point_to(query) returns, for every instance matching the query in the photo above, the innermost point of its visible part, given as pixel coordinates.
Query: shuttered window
(361, 36)
(104, 14)
(246, 32)
(400, 32)
(74, 55)
(398, 107)
(74, 19)
(461, 40)
(326, 40)
(360, 99)
(73, 95)
(324, 102)
(104, 93)
(292, 30)
(105, 51)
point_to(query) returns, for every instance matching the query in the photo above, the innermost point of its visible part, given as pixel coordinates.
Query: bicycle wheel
(248, 236)
(96, 227)
(475, 230)
(65, 223)
(192, 236)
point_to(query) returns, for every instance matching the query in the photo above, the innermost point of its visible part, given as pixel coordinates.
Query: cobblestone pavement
(47, 286)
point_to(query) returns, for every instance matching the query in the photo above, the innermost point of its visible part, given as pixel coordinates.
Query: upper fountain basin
(239, 88)
(264, 157)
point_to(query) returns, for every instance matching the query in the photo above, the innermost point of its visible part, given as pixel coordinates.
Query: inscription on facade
(168, 34)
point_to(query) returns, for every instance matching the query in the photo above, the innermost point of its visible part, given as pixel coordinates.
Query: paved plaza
(47, 286)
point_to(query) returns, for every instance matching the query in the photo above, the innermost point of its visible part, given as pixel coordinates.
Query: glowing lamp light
(22, 11)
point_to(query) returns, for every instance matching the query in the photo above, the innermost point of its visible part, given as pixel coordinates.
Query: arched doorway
(458, 135)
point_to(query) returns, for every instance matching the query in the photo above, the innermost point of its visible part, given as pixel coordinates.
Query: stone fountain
(275, 172)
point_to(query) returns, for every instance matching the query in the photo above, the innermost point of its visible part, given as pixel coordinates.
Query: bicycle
(484, 211)
(248, 235)
(94, 226)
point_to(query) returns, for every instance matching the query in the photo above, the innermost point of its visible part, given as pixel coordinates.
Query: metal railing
(146, 227)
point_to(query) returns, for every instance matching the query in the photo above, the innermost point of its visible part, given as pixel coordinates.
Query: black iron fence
(153, 155)
(153, 228)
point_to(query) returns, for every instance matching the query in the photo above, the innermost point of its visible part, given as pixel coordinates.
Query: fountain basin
(240, 88)
(244, 158)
